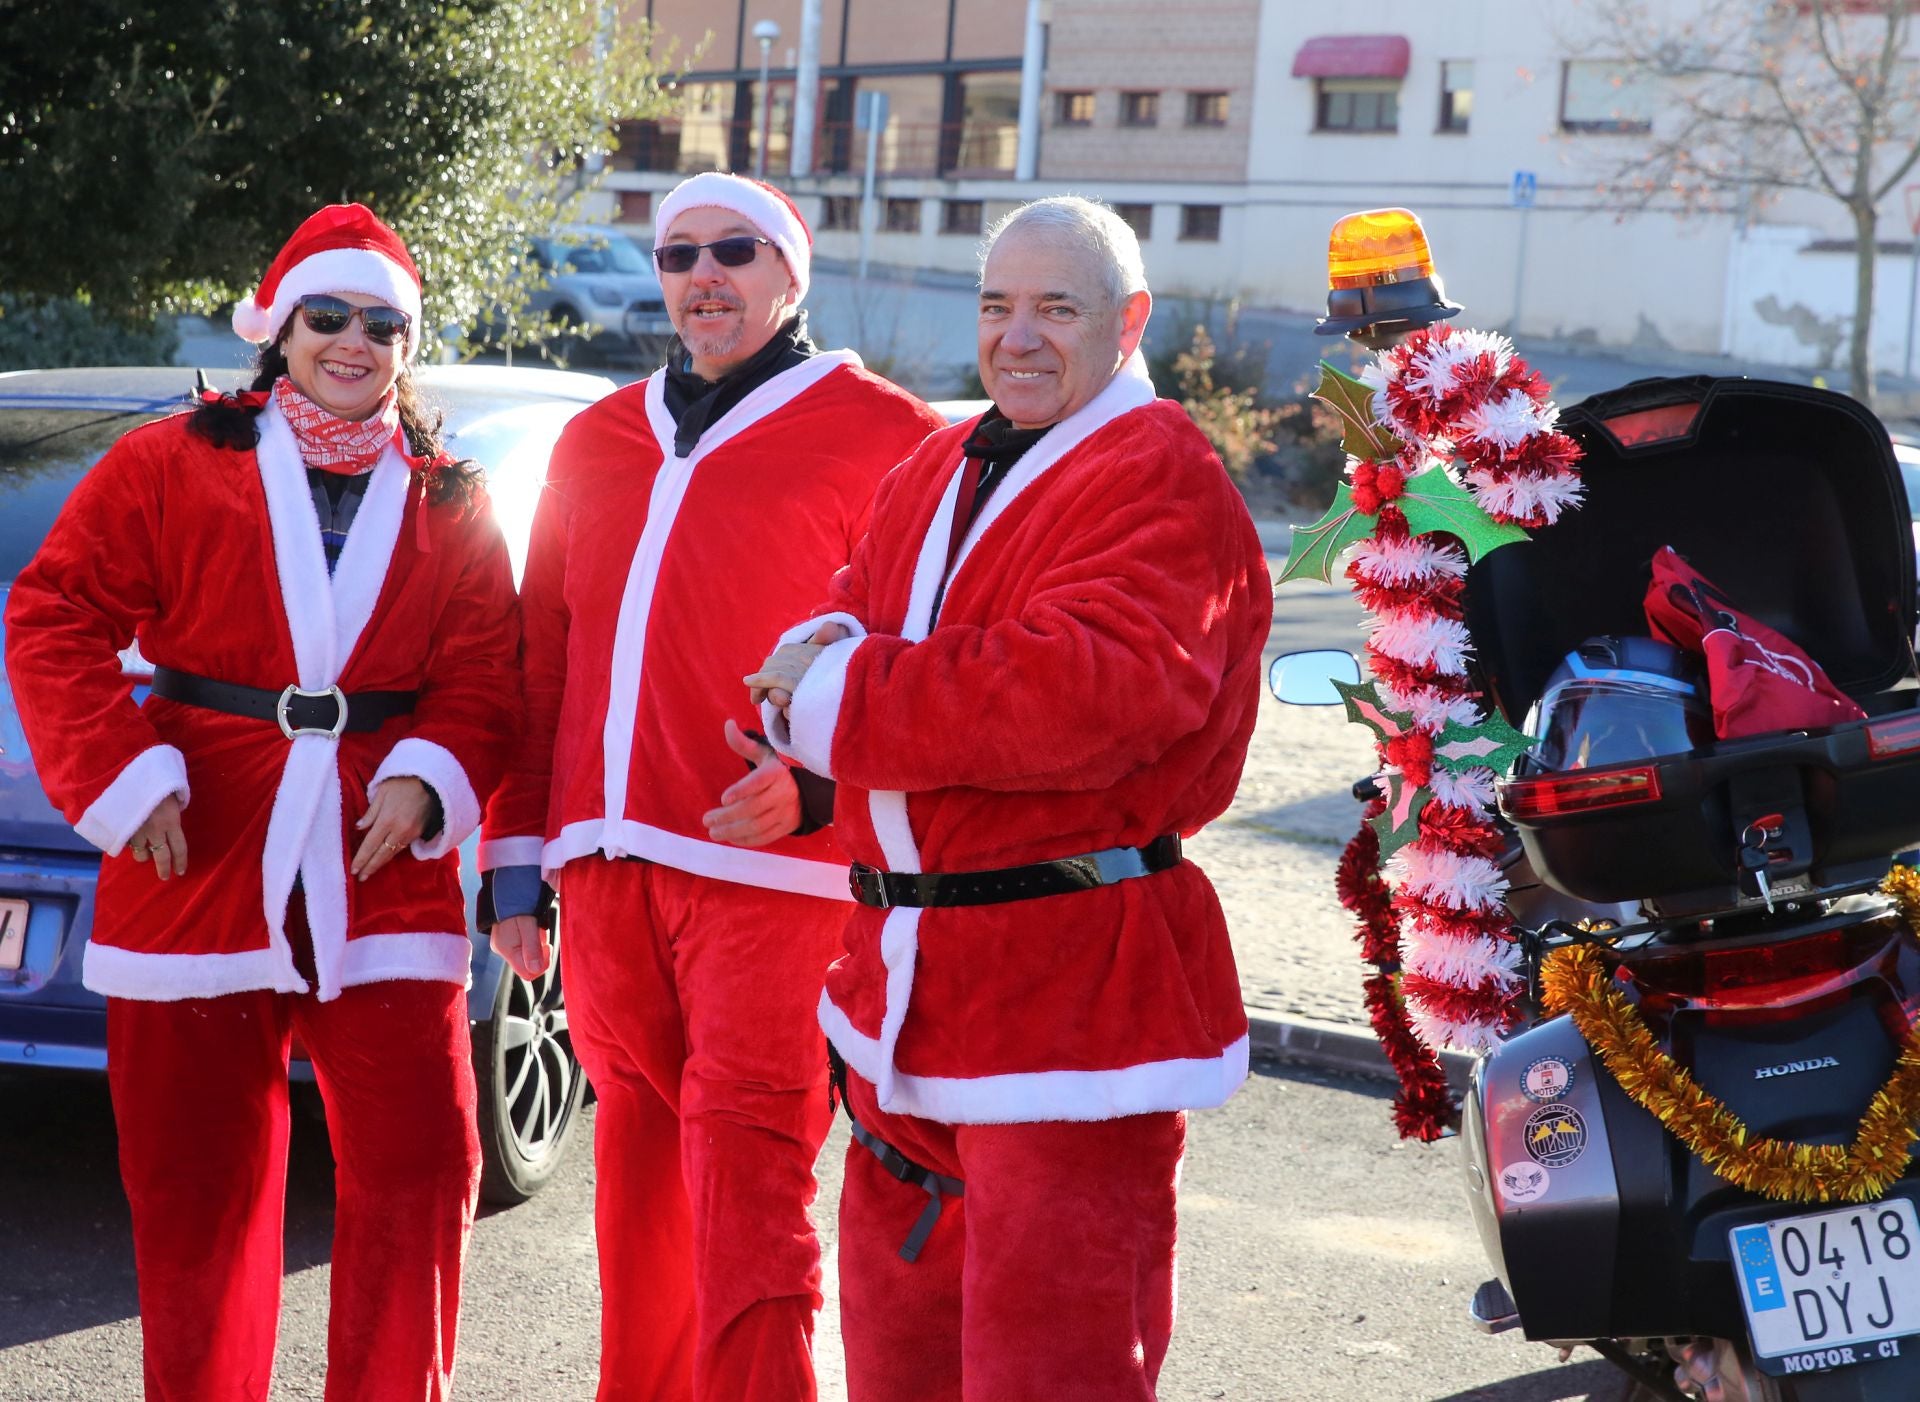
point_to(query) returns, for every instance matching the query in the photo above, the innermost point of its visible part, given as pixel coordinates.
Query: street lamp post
(766, 32)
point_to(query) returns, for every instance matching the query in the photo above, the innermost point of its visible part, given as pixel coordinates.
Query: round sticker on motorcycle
(1555, 1136)
(1523, 1182)
(1547, 1079)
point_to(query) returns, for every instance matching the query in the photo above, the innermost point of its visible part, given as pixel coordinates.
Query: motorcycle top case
(1789, 499)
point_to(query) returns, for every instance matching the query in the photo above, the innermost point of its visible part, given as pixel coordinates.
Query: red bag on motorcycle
(1758, 680)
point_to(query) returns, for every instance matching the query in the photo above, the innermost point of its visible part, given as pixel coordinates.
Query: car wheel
(529, 1082)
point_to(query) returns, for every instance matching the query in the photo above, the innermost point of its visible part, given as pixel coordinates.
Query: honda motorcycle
(1731, 889)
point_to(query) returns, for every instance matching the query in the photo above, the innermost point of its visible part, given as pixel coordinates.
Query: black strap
(881, 889)
(938, 1187)
(305, 710)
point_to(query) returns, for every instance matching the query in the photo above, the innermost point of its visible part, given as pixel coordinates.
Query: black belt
(297, 712)
(882, 889)
(937, 1186)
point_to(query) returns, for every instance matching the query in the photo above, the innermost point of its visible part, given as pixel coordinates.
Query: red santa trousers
(692, 1006)
(1052, 1277)
(200, 1102)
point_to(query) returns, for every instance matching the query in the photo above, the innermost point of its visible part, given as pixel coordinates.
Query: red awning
(1353, 56)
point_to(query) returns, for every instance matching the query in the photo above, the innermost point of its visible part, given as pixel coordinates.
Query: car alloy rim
(536, 1067)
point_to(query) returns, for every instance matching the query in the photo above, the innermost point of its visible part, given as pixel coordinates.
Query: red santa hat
(760, 204)
(340, 248)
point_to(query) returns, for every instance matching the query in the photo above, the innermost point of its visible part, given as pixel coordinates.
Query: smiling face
(725, 315)
(345, 374)
(1051, 336)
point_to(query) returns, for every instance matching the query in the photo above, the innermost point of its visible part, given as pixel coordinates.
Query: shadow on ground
(66, 1262)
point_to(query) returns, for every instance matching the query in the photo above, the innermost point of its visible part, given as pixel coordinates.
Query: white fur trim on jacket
(434, 766)
(1198, 1083)
(325, 617)
(747, 866)
(167, 978)
(810, 722)
(130, 799)
(510, 852)
(357, 270)
(754, 203)
(377, 958)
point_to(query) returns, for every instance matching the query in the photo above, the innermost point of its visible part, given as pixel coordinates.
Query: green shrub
(52, 334)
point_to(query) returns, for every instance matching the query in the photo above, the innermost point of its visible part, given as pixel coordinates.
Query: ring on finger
(389, 847)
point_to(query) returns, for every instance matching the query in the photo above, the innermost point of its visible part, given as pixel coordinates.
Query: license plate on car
(13, 934)
(1830, 1288)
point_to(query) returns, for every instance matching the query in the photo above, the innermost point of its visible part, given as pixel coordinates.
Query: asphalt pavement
(1321, 1260)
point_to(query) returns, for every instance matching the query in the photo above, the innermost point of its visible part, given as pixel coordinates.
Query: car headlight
(605, 296)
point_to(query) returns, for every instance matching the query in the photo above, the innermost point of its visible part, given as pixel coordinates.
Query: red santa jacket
(1091, 682)
(654, 584)
(211, 557)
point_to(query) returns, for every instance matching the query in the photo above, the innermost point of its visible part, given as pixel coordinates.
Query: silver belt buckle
(286, 699)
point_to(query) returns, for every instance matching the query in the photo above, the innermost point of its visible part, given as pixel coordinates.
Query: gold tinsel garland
(1575, 980)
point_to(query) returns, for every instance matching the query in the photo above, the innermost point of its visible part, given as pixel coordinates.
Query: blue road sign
(1525, 186)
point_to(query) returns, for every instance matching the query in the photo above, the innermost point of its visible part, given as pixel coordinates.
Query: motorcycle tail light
(1897, 735)
(1580, 791)
(1761, 983)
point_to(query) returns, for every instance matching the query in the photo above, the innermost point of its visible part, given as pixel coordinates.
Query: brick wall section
(1113, 46)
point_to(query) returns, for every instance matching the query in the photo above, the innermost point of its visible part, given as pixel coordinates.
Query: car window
(1910, 474)
(43, 452)
(616, 254)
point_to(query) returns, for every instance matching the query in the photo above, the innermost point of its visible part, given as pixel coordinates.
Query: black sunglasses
(728, 253)
(329, 316)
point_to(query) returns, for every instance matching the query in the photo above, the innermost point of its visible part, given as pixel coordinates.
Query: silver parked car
(602, 298)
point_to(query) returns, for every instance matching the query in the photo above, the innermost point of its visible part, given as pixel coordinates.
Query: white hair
(1094, 226)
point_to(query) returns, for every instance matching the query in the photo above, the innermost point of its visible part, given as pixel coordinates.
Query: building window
(962, 216)
(1139, 218)
(903, 216)
(636, 207)
(1206, 109)
(840, 212)
(1456, 94)
(1357, 104)
(1200, 223)
(1604, 95)
(1139, 109)
(1075, 109)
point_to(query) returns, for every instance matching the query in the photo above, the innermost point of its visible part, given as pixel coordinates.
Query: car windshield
(603, 253)
(43, 452)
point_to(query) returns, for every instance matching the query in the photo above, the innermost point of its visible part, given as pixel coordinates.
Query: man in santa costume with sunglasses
(685, 521)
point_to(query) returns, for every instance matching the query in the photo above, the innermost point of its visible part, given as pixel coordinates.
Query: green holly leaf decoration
(1492, 744)
(1399, 823)
(1315, 548)
(1364, 707)
(1352, 400)
(1433, 501)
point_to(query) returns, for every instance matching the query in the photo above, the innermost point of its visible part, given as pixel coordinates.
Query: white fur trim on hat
(357, 270)
(752, 201)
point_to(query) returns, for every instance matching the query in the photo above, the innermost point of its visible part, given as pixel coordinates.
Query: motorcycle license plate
(13, 934)
(1830, 1288)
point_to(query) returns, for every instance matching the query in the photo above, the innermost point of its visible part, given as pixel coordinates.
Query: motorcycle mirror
(1307, 678)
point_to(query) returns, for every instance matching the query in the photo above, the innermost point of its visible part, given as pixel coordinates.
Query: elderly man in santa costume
(684, 522)
(329, 610)
(1038, 674)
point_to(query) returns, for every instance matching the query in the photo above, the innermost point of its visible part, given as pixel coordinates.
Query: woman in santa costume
(329, 609)
(1039, 673)
(684, 522)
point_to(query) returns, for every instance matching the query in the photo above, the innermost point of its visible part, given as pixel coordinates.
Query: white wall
(1792, 305)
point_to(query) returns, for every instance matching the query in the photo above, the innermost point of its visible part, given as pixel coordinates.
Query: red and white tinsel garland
(1465, 399)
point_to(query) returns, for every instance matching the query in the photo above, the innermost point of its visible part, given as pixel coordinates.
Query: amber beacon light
(1380, 275)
